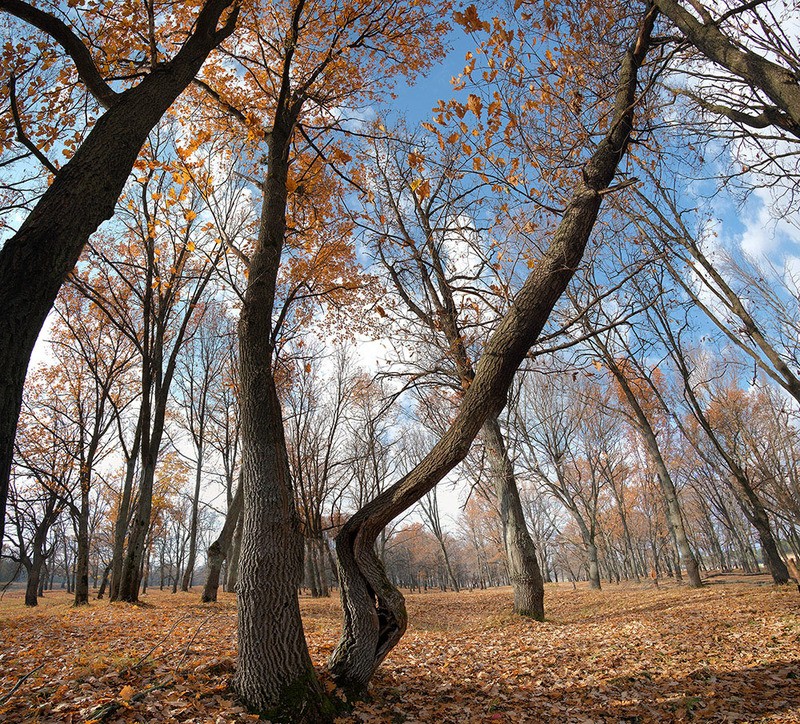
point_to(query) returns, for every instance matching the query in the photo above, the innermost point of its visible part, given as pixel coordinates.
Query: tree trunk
(218, 550)
(121, 523)
(374, 610)
(82, 558)
(274, 676)
(523, 566)
(754, 511)
(189, 572)
(36, 260)
(104, 583)
(32, 585)
(648, 436)
(232, 572)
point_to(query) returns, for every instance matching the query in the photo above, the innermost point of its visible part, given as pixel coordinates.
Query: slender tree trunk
(82, 559)
(121, 523)
(189, 572)
(232, 576)
(648, 436)
(104, 583)
(523, 566)
(219, 549)
(754, 511)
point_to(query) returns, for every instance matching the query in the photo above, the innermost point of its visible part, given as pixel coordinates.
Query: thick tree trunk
(523, 566)
(218, 550)
(274, 676)
(33, 583)
(36, 260)
(374, 610)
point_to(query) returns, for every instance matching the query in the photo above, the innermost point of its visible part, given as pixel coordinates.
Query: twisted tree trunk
(374, 611)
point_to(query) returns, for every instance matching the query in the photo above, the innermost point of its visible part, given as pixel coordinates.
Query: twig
(191, 640)
(19, 683)
(161, 641)
(106, 710)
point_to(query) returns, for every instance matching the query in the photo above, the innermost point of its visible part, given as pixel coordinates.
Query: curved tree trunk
(374, 610)
(523, 566)
(218, 550)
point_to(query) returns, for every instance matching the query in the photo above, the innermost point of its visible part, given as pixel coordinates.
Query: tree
(436, 261)
(35, 260)
(298, 90)
(199, 369)
(90, 386)
(375, 616)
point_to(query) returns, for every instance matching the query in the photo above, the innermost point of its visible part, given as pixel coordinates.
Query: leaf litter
(631, 654)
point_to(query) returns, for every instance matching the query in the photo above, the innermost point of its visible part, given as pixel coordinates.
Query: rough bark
(218, 550)
(274, 676)
(778, 83)
(36, 260)
(82, 555)
(374, 610)
(523, 566)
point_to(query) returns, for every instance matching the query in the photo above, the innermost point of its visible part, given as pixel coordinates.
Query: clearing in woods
(630, 653)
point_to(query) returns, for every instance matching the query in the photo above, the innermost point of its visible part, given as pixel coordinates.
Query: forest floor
(629, 653)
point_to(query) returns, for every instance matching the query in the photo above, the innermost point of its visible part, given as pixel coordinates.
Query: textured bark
(274, 676)
(374, 610)
(35, 261)
(778, 83)
(523, 566)
(218, 550)
(82, 557)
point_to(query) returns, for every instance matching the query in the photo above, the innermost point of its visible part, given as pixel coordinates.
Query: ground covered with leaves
(728, 652)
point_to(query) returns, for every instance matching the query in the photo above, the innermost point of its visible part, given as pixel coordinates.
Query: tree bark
(219, 549)
(374, 610)
(275, 676)
(82, 556)
(523, 566)
(189, 572)
(36, 260)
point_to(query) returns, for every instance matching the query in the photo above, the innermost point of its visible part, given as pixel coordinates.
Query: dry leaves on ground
(729, 652)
